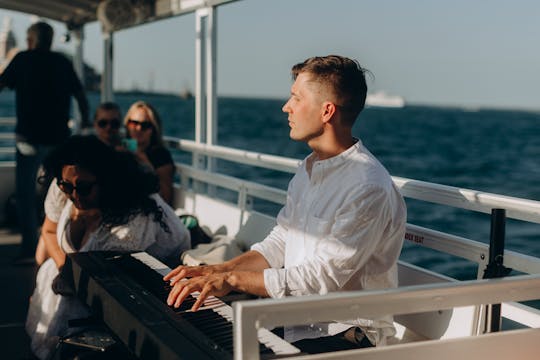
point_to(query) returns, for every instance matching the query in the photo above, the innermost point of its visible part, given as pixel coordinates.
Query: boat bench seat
(442, 324)
(223, 218)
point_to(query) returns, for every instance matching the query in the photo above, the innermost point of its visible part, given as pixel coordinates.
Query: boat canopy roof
(71, 12)
(76, 13)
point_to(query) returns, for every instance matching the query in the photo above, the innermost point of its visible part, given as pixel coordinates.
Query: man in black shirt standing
(44, 82)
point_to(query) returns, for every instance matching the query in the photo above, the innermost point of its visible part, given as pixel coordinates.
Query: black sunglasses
(83, 188)
(145, 125)
(113, 123)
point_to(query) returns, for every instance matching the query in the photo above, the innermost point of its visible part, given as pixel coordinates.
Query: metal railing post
(495, 267)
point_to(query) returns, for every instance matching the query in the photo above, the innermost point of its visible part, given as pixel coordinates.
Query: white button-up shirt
(341, 229)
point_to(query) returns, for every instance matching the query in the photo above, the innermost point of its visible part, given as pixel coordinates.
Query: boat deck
(17, 284)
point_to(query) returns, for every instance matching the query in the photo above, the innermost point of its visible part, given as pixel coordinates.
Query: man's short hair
(107, 106)
(344, 76)
(44, 34)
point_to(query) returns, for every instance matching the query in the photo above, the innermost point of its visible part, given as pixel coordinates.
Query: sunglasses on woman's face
(113, 123)
(145, 125)
(83, 188)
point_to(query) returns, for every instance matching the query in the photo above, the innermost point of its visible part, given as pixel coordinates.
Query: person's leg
(338, 342)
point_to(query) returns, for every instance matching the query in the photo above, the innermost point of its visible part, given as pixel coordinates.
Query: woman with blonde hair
(144, 127)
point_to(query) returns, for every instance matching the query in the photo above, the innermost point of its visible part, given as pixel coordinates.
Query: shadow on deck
(16, 284)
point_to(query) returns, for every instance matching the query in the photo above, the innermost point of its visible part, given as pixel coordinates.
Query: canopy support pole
(78, 66)
(107, 93)
(205, 84)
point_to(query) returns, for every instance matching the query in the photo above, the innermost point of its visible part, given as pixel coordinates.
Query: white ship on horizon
(382, 99)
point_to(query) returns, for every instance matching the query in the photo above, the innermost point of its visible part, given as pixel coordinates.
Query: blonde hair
(152, 116)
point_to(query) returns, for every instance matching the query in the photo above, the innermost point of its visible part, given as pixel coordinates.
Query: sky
(470, 53)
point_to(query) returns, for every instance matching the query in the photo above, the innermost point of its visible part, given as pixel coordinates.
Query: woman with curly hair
(111, 205)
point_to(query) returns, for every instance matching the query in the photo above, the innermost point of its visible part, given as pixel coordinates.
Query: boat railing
(477, 252)
(272, 162)
(517, 208)
(471, 250)
(474, 251)
(7, 120)
(249, 316)
(461, 247)
(243, 188)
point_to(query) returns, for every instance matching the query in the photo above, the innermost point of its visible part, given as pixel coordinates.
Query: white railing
(407, 299)
(244, 188)
(7, 120)
(244, 157)
(522, 209)
(471, 250)
(517, 208)
(474, 251)
(268, 313)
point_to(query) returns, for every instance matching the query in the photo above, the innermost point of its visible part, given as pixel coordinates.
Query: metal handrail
(231, 183)
(451, 244)
(7, 120)
(267, 313)
(516, 208)
(468, 249)
(273, 162)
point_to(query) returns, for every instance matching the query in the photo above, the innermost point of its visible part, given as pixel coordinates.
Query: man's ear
(328, 111)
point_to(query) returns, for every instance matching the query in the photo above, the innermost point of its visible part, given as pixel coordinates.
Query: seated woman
(111, 205)
(107, 122)
(144, 125)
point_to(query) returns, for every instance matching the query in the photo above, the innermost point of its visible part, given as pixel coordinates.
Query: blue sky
(459, 52)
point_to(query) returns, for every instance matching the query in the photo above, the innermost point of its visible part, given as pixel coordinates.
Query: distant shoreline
(163, 94)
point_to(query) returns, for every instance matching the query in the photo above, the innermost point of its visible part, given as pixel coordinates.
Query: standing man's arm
(7, 77)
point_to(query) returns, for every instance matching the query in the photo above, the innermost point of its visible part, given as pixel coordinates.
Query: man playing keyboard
(341, 228)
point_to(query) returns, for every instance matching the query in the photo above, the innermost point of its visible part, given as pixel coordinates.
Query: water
(488, 150)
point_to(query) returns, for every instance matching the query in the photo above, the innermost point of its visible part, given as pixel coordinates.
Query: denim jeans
(27, 201)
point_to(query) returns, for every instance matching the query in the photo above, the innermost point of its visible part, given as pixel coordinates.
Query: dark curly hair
(124, 184)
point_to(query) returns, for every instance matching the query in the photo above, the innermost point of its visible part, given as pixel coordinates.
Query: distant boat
(186, 94)
(382, 99)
